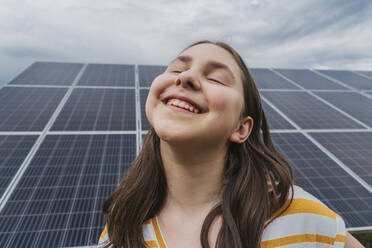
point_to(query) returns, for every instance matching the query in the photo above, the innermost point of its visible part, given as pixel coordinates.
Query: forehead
(205, 53)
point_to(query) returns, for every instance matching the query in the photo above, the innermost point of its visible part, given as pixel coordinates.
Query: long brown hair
(258, 179)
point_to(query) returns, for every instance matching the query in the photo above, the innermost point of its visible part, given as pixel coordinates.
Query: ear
(242, 132)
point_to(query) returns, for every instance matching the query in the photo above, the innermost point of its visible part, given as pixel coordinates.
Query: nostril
(190, 84)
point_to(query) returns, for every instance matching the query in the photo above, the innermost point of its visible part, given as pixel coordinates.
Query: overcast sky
(331, 34)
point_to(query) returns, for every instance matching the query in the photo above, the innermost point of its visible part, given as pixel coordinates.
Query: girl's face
(198, 99)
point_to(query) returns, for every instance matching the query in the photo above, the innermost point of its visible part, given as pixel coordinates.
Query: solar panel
(267, 79)
(59, 198)
(350, 78)
(144, 122)
(308, 112)
(108, 75)
(275, 120)
(48, 73)
(28, 108)
(321, 176)
(98, 109)
(309, 79)
(353, 149)
(13, 151)
(147, 73)
(352, 103)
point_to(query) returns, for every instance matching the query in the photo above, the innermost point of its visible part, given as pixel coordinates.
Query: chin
(175, 135)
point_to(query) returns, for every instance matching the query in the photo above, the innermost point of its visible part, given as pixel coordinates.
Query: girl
(208, 174)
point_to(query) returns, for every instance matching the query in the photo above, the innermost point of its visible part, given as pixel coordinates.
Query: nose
(188, 79)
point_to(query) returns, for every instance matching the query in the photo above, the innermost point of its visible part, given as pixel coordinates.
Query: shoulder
(306, 221)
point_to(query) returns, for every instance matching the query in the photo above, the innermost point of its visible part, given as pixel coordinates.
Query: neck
(194, 176)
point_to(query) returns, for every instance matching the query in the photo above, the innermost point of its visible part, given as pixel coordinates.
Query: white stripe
(148, 232)
(308, 245)
(297, 224)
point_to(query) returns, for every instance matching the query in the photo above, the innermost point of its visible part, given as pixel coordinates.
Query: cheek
(158, 86)
(228, 102)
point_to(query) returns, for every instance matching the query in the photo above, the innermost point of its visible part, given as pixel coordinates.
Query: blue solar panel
(144, 122)
(48, 73)
(13, 151)
(98, 109)
(108, 75)
(353, 149)
(275, 120)
(309, 79)
(321, 176)
(352, 103)
(266, 79)
(59, 198)
(147, 73)
(350, 78)
(308, 112)
(28, 109)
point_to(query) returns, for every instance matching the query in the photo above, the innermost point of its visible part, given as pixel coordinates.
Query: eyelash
(211, 79)
(215, 80)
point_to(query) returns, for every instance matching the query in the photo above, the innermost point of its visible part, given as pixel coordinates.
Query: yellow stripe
(147, 222)
(307, 206)
(340, 238)
(102, 237)
(295, 239)
(157, 233)
(151, 244)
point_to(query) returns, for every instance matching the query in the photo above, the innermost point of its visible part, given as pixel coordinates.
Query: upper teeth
(182, 104)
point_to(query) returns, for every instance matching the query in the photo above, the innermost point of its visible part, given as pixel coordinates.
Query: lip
(185, 99)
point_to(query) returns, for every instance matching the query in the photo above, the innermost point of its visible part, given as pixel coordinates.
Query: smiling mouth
(182, 105)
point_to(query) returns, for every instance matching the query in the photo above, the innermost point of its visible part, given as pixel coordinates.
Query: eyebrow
(213, 64)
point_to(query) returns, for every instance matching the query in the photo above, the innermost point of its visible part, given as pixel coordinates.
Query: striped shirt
(306, 223)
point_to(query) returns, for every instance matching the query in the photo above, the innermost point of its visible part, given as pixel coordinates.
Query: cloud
(267, 33)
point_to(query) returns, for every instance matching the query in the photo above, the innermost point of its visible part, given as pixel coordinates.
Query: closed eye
(215, 80)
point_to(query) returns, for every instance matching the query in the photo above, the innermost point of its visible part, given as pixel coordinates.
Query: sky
(316, 34)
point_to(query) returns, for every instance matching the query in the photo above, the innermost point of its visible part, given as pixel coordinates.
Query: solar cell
(13, 151)
(144, 122)
(352, 103)
(322, 177)
(147, 73)
(275, 120)
(58, 201)
(350, 78)
(309, 79)
(48, 73)
(98, 109)
(308, 112)
(266, 79)
(353, 149)
(28, 108)
(108, 75)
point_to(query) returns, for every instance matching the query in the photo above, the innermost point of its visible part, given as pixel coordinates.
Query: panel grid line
(76, 191)
(361, 74)
(138, 110)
